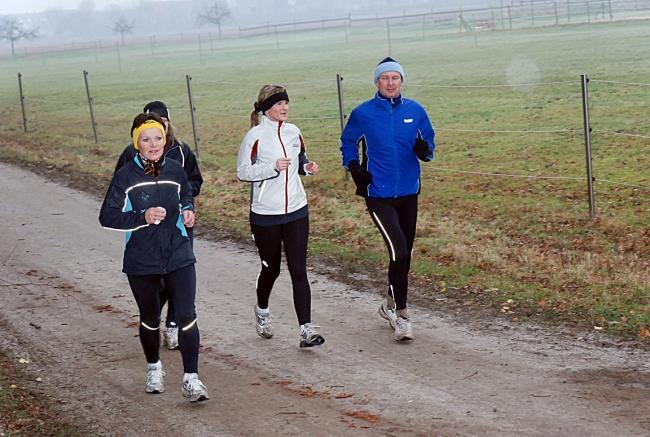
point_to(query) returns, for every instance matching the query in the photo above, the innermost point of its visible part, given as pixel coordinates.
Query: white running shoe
(263, 324)
(194, 390)
(403, 329)
(388, 314)
(155, 378)
(309, 337)
(170, 337)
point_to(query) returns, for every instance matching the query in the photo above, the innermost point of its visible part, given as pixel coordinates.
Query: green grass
(509, 106)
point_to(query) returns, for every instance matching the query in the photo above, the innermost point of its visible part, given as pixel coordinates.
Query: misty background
(74, 20)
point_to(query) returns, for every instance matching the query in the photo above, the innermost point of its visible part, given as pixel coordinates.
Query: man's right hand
(360, 176)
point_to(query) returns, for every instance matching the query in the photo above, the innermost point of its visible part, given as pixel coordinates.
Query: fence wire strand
(619, 83)
(509, 175)
(622, 134)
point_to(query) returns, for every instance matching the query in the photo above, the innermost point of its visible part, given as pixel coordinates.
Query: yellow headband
(146, 125)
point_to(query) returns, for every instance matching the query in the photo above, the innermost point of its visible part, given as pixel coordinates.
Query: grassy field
(504, 212)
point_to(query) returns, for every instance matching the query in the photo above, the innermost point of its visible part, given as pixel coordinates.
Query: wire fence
(203, 106)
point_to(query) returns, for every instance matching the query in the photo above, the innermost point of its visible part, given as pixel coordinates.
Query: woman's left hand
(188, 218)
(312, 167)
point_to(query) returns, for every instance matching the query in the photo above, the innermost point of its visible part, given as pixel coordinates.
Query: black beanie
(158, 107)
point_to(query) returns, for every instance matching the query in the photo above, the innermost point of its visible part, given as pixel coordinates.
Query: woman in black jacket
(149, 198)
(179, 151)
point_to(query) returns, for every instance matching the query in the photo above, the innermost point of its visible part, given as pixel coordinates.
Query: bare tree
(215, 14)
(12, 30)
(122, 26)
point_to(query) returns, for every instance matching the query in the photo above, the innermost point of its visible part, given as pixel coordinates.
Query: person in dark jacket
(382, 145)
(180, 151)
(149, 199)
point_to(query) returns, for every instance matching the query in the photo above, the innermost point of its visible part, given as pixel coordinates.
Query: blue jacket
(380, 135)
(150, 249)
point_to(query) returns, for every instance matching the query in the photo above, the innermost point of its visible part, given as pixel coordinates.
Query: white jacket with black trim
(273, 192)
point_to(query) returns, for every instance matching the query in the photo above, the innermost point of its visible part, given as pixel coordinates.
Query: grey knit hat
(388, 64)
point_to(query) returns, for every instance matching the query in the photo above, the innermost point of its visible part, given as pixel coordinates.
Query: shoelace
(309, 331)
(194, 385)
(401, 323)
(155, 376)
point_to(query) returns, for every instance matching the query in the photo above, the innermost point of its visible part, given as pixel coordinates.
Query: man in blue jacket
(382, 144)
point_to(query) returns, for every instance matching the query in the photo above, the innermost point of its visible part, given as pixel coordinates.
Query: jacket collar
(267, 121)
(138, 162)
(393, 102)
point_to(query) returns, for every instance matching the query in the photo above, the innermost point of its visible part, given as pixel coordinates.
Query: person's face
(389, 84)
(151, 143)
(279, 111)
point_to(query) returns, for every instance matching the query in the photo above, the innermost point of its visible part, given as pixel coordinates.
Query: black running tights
(181, 286)
(164, 293)
(269, 241)
(396, 219)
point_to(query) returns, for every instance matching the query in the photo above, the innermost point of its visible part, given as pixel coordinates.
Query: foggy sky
(26, 6)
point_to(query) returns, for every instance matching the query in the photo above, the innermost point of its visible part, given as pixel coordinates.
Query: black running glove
(421, 149)
(361, 177)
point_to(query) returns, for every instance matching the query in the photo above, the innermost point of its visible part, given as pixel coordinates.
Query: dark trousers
(269, 240)
(181, 286)
(164, 293)
(396, 220)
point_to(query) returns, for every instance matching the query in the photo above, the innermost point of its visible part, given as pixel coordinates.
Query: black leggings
(164, 293)
(181, 286)
(269, 241)
(396, 219)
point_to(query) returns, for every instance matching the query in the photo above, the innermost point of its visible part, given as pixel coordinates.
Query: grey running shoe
(403, 329)
(388, 314)
(170, 336)
(194, 390)
(309, 337)
(155, 378)
(263, 324)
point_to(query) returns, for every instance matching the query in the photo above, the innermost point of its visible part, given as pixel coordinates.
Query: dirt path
(65, 306)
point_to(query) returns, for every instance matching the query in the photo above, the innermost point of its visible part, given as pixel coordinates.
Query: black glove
(421, 149)
(361, 177)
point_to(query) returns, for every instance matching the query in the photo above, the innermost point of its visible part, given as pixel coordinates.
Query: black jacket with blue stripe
(179, 151)
(150, 249)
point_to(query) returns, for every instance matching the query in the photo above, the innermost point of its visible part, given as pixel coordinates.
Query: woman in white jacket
(271, 157)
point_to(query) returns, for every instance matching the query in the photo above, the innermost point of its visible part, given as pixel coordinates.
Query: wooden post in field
(611, 17)
(22, 101)
(587, 133)
(588, 13)
(90, 106)
(532, 13)
(423, 24)
(503, 24)
(188, 78)
(339, 91)
(119, 58)
(509, 18)
(557, 19)
(200, 49)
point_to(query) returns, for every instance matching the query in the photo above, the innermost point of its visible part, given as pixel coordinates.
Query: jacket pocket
(261, 191)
